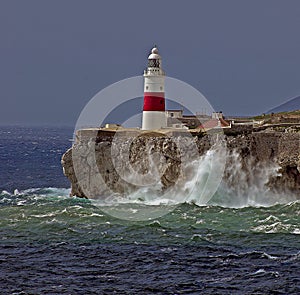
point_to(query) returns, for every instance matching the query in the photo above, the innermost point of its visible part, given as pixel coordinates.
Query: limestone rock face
(101, 164)
(271, 148)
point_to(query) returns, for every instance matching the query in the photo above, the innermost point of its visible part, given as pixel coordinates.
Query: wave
(46, 191)
(149, 197)
(32, 195)
(37, 208)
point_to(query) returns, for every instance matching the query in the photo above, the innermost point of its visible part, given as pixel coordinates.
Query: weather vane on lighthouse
(154, 116)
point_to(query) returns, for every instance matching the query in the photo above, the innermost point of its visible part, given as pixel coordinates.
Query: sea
(51, 243)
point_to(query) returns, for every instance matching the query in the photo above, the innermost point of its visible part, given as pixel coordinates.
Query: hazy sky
(244, 56)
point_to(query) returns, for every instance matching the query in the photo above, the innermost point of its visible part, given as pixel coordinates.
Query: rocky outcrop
(102, 162)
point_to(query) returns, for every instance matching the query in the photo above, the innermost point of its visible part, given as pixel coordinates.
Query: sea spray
(246, 183)
(208, 173)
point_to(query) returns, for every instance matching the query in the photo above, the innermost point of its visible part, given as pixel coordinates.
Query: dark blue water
(30, 157)
(53, 244)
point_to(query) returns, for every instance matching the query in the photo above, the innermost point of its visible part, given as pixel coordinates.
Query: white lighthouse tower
(154, 116)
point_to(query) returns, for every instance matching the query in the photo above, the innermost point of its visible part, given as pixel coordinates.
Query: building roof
(213, 123)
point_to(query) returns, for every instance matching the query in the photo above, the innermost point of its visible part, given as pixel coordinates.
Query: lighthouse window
(147, 87)
(161, 88)
(154, 63)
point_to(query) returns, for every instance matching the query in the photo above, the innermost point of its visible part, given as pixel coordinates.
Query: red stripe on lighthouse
(154, 101)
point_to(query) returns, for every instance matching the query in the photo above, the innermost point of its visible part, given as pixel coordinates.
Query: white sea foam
(44, 215)
(270, 256)
(246, 184)
(260, 271)
(272, 228)
(96, 215)
(47, 192)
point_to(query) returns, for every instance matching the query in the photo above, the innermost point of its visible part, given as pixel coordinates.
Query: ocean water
(53, 244)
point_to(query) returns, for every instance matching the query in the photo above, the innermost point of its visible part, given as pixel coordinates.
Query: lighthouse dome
(154, 53)
(154, 50)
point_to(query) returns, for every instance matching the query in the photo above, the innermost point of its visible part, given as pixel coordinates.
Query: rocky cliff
(102, 162)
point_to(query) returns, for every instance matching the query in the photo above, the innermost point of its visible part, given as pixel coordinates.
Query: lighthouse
(154, 116)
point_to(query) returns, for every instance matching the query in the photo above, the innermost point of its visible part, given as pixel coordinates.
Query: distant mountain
(291, 105)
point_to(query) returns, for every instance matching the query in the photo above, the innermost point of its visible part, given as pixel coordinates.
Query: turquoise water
(49, 236)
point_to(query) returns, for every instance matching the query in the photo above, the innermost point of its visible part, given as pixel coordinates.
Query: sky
(243, 56)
